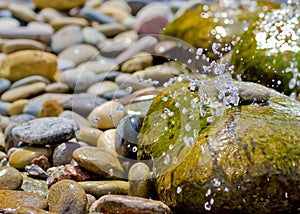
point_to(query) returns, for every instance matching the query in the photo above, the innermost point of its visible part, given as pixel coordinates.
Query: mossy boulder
(245, 160)
(269, 51)
(207, 24)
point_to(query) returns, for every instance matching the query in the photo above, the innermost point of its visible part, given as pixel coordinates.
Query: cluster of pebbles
(76, 79)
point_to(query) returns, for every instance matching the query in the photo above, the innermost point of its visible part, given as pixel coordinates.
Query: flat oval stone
(4, 85)
(49, 13)
(95, 15)
(88, 135)
(83, 103)
(42, 26)
(62, 154)
(107, 115)
(23, 92)
(58, 4)
(99, 161)
(48, 130)
(77, 118)
(116, 94)
(64, 64)
(4, 107)
(29, 80)
(106, 141)
(66, 37)
(22, 12)
(14, 199)
(79, 53)
(64, 21)
(252, 93)
(129, 81)
(27, 63)
(111, 76)
(111, 29)
(22, 44)
(101, 88)
(92, 36)
(67, 196)
(99, 66)
(10, 178)
(122, 204)
(17, 107)
(100, 188)
(57, 87)
(8, 23)
(139, 180)
(23, 156)
(137, 62)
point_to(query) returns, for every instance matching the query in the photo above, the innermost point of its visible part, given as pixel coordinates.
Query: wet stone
(10, 141)
(10, 178)
(4, 85)
(46, 108)
(139, 180)
(100, 188)
(34, 185)
(129, 81)
(62, 154)
(46, 130)
(29, 80)
(36, 171)
(128, 204)
(101, 88)
(83, 103)
(106, 141)
(41, 161)
(116, 94)
(67, 196)
(22, 157)
(126, 136)
(65, 37)
(14, 199)
(108, 76)
(88, 135)
(137, 62)
(79, 53)
(252, 93)
(108, 166)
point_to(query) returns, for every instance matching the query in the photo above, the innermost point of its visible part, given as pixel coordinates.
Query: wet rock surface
(77, 83)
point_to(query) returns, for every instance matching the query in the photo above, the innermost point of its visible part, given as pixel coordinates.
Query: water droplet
(120, 108)
(167, 159)
(216, 182)
(170, 146)
(164, 99)
(210, 119)
(208, 192)
(212, 201)
(128, 90)
(207, 206)
(178, 191)
(111, 172)
(134, 149)
(187, 127)
(95, 120)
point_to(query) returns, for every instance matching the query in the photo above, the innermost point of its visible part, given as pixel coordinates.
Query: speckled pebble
(67, 196)
(10, 178)
(48, 130)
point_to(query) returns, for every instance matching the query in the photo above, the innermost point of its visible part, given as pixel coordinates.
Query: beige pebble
(23, 92)
(10, 178)
(107, 115)
(22, 12)
(101, 88)
(58, 4)
(137, 62)
(57, 87)
(58, 23)
(139, 180)
(106, 141)
(88, 135)
(22, 44)
(17, 107)
(49, 14)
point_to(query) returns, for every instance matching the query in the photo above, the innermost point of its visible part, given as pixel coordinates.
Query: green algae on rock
(243, 161)
(269, 51)
(207, 24)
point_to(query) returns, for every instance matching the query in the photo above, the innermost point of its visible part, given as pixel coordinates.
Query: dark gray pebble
(62, 154)
(126, 136)
(47, 130)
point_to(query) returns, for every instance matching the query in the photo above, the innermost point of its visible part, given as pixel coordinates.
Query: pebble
(10, 178)
(139, 109)
(4, 107)
(95, 15)
(23, 156)
(36, 171)
(77, 118)
(41, 26)
(137, 62)
(108, 166)
(117, 14)
(107, 115)
(112, 29)
(57, 87)
(106, 141)
(14, 199)
(58, 4)
(136, 5)
(79, 53)
(58, 23)
(46, 108)
(17, 107)
(88, 135)
(116, 4)
(91, 199)
(29, 80)
(111, 76)
(92, 36)
(5, 13)
(63, 64)
(130, 82)
(22, 44)
(139, 180)
(61, 98)
(22, 12)
(48, 130)
(35, 186)
(23, 92)
(126, 136)
(101, 88)
(100, 188)
(116, 94)
(4, 85)
(93, 3)
(49, 14)
(122, 204)
(83, 103)
(100, 66)
(251, 93)
(66, 37)
(143, 44)
(67, 196)
(41, 161)
(10, 141)
(27, 63)
(62, 154)
(8, 23)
